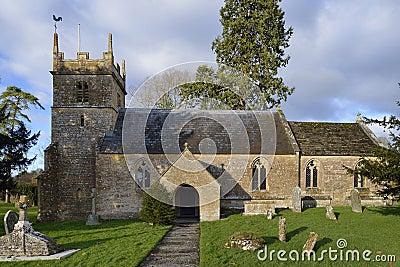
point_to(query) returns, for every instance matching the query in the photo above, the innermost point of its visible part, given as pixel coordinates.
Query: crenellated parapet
(83, 64)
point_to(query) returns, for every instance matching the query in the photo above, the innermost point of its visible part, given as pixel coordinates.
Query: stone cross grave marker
(310, 243)
(93, 218)
(282, 229)
(330, 215)
(269, 214)
(296, 199)
(10, 219)
(23, 209)
(355, 201)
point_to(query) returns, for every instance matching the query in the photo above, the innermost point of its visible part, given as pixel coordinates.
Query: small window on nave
(359, 180)
(259, 176)
(312, 172)
(143, 175)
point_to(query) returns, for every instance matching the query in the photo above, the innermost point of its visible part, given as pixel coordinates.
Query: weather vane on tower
(55, 22)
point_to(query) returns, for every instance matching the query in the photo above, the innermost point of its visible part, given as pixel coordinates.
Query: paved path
(179, 247)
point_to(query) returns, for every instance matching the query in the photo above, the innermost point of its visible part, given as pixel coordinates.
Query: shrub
(155, 211)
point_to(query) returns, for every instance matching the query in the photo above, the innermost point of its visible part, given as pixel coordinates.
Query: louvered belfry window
(82, 92)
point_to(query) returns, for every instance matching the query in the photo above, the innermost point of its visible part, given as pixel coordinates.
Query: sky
(344, 53)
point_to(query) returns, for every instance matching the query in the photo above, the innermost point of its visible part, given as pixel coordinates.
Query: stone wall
(333, 180)
(77, 147)
(118, 196)
(48, 185)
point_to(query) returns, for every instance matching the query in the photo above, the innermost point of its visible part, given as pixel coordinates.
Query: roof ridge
(321, 122)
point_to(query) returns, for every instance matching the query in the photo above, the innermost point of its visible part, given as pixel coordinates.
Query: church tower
(87, 94)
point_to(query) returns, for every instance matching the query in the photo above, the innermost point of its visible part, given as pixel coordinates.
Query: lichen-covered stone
(245, 241)
(330, 215)
(28, 243)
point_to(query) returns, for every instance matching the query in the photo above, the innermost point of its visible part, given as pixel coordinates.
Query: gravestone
(23, 209)
(355, 201)
(7, 196)
(330, 215)
(24, 241)
(93, 218)
(10, 219)
(296, 199)
(282, 229)
(310, 243)
(269, 214)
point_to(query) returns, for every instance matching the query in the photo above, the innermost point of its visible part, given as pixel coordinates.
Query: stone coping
(57, 256)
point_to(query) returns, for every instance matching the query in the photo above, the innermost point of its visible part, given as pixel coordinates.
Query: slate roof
(230, 132)
(333, 139)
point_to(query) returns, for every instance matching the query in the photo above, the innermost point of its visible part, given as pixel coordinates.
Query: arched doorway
(187, 202)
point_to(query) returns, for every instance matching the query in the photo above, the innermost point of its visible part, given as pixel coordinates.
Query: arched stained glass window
(359, 180)
(259, 176)
(143, 175)
(312, 172)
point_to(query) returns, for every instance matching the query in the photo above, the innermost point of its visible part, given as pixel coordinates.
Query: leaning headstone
(93, 218)
(355, 201)
(10, 219)
(24, 241)
(330, 215)
(269, 214)
(282, 229)
(310, 243)
(296, 199)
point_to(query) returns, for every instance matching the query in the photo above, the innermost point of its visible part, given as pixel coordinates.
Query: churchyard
(127, 242)
(113, 243)
(374, 229)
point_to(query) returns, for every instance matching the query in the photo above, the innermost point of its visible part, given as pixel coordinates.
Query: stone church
(213, 162)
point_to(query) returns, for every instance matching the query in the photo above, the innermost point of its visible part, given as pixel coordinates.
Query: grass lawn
(113, 243)
(376, 229)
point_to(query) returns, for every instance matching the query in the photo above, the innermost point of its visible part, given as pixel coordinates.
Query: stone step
(172, 259)
(178, 244)
(174, 248)
(180, 240)
(155, 264)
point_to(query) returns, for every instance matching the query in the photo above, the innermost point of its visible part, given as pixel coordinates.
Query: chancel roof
(333, 139)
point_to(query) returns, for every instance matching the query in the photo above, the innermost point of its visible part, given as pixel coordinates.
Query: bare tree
(161, 90)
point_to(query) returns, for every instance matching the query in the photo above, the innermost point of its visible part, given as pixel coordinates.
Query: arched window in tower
(359, 180)
(312, 174)
(82, 92)
(259, 176)
(143, 177)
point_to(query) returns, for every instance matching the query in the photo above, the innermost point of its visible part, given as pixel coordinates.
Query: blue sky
(344, 53)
